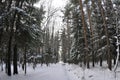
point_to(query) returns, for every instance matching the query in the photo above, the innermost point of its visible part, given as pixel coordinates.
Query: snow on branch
(23, 12)
(4, 14)
(20, 10)
(93, 38)
(97, 40)
(103, 37)
(101, 53)
(101, 49)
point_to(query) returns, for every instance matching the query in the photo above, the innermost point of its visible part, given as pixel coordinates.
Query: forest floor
(96, 73)
(62, 71)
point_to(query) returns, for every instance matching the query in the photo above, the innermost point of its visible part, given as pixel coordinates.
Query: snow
(103, 48)
(97, 73)
(22, 12)
(63, 71)
(52, 72)
(19, 10)
(103, 37)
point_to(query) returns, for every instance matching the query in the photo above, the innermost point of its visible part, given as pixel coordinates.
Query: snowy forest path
(59, 71)
(53, 72)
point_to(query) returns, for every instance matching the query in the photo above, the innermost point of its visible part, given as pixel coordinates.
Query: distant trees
(93, 30)
(64, 46)
(50, 47)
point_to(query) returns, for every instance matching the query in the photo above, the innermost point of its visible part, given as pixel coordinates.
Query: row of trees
(94, 30)
(23, 38)
(20, 28)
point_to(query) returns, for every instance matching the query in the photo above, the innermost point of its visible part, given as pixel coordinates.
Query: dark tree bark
(93, 59)
(15, 58)
(101, 61)
(8, 65)
(1, 65)
(25, 67)
(11, 24)
(114, 60)
(15, 55)
(1, 34)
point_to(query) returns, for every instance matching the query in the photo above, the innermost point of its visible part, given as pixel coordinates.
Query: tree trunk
(12, 25)
(1, 34)
(101, 61)
(25, 67)
(15, 55)
(15, 58)
(93, 59)
(68, 39)
(9, 56)
(85, 60)
(114, 60)
(91, 31)
(1, 64)
(85, 34)
(106, 33)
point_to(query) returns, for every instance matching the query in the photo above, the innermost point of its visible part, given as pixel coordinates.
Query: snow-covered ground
(61, 71)
(97, 73)
(53, 72)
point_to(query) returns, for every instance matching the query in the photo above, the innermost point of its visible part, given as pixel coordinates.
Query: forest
(93, 31)
(89, 36)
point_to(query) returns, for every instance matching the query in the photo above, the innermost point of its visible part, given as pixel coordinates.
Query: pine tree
(21, 26)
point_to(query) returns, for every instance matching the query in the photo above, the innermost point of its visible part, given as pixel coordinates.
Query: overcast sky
(55, 3)
(59, 4)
